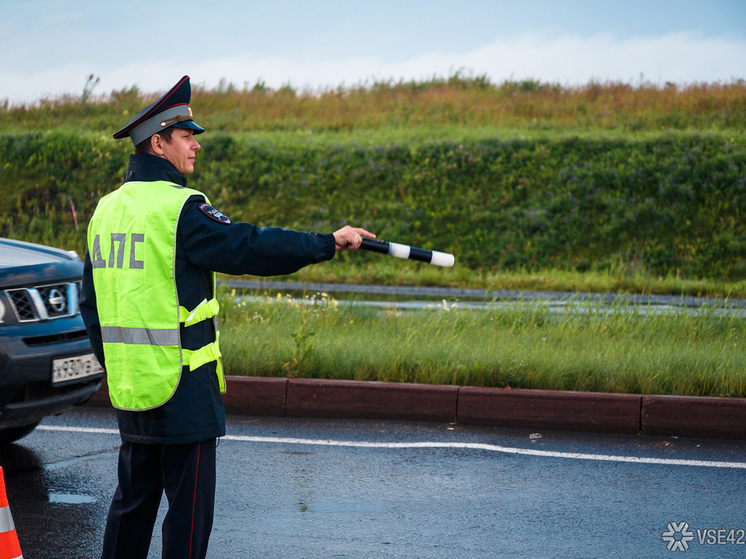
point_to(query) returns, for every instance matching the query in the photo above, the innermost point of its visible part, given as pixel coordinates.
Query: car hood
(27, 263)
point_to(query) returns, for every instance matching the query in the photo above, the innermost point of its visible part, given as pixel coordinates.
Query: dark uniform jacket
(205, 241)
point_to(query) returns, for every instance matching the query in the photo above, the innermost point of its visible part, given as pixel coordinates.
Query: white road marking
(470, 446)
(77, 429)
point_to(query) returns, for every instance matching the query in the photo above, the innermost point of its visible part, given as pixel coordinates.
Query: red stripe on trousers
(194, 501)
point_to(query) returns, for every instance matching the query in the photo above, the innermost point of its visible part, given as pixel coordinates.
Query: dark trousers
(187, 474)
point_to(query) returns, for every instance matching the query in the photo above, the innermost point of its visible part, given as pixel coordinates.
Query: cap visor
(189, 125)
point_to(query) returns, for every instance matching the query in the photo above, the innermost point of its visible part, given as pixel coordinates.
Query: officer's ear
(156, 144)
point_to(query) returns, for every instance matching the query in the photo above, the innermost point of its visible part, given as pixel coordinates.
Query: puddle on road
(70, 499)
(340, 507)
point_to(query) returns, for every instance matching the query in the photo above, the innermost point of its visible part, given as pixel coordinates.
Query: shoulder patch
(214, 214)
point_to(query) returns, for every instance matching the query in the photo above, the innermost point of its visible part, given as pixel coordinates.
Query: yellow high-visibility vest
(132, 246)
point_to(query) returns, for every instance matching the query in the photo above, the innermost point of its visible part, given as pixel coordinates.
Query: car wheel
(8, 436)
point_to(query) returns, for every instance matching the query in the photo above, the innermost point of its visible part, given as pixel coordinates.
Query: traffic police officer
(149, 306)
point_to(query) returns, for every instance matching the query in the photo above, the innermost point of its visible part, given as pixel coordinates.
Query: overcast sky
(48, 47)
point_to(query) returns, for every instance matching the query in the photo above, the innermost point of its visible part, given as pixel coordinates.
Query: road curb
(723, 418)
(549, 409)
(690, 416)
(371, 400)
(255, 396)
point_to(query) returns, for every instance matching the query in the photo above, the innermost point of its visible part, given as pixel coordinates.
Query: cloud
(573, 60)
(567, 59)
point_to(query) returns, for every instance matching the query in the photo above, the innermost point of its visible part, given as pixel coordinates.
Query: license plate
(72, 368)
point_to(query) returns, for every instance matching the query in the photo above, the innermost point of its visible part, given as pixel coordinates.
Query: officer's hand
(349, 238)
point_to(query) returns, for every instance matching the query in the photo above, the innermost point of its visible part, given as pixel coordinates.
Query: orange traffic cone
(9, 546)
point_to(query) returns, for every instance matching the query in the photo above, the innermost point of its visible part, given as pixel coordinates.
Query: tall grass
(460, 100)
(586, 347)
(472, 102)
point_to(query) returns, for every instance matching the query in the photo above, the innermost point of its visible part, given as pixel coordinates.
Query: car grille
(55, 338)
(45, 302)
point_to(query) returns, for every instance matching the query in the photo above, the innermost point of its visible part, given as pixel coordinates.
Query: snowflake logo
(677, 536)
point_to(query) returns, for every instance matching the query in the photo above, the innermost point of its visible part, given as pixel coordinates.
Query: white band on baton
(399, 251)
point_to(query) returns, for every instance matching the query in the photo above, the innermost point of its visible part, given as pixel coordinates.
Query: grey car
(46, 361)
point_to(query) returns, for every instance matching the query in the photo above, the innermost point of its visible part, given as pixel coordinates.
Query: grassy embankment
(606, 187)
(532, 186)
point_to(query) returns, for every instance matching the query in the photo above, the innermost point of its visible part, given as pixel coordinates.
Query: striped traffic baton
(407, 252)
(9, 546)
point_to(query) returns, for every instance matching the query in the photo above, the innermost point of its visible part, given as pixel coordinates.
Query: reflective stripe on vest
(142, 336)
(210, 352)
(206, 309)
(132, 239)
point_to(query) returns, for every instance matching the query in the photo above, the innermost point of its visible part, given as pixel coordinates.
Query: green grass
(586, 348)
(666, 205)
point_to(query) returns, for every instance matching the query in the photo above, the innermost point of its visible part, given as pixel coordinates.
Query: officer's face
(181, 150)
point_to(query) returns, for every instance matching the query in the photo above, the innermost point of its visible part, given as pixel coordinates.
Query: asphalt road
(341, 488)
(412, 298)
(400, 292)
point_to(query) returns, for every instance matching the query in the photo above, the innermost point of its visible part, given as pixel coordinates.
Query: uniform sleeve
(242, 248)
(89, 311)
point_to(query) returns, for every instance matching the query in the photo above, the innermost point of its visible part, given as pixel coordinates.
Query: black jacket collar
(147, 168)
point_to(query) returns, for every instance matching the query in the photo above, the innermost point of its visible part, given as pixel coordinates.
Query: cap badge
(177, 118)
